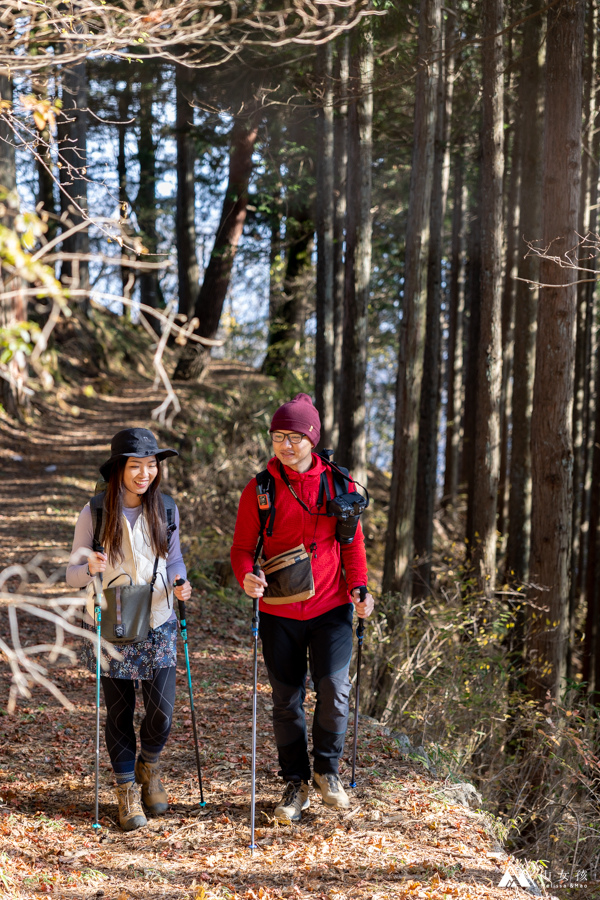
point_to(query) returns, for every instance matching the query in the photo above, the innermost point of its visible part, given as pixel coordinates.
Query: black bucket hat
(138, 442)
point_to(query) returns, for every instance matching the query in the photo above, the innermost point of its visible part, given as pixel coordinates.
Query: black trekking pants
(159, 700)
(327, 639)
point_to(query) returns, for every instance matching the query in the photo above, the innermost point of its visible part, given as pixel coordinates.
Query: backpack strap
(97, 510)
(265, 495)
(340, 475)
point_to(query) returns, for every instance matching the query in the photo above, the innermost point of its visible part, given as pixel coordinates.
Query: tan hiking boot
(331, 790)
(294, 800)
(131, 814)
(154, 796)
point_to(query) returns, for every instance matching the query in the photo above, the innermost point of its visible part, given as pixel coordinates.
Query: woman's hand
(182, 591)
(254, 585)
(364, 607)
(96, 562)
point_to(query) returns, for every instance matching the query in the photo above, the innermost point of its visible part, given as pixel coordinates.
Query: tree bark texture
(551, 425)
(454, 380)
(430, 389)
(341, 74)
(352, 447)
(508, 316)
(589, 186)
(211, 297)
(185, 219)
(530, 122)
(325, 338)
(489, 369)
(471, 357)
(399, 550)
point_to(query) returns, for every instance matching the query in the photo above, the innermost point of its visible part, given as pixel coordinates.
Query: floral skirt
(138, 661)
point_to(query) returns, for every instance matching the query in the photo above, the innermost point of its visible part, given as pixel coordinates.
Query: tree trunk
(211, 297)
(352, 447)
(530, 124)
(430, 390)
(551, 431)
(12, 310)
(489, 370)
(286, 332)
(508, 316)
(470, 363)
(587, 216)
(127, 273)
(454, 382)
(397, 572)
(325, 338)
(72, 140)
(147, 213)
(340, 78)
(185, 218)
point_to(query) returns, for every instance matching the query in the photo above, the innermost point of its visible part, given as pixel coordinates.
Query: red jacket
(293, 526)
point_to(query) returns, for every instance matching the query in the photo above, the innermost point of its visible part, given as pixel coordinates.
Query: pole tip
(96, 825)
(352, 784)
(202, 803)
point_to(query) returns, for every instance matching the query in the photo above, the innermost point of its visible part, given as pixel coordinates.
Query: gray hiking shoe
(331, 790)
(294, 800)
(131, 814)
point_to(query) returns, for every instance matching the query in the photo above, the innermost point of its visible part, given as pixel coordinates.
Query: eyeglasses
(295, 437)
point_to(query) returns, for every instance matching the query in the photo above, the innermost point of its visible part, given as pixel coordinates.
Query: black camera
(346, 508)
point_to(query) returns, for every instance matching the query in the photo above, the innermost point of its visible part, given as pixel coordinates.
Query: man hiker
(306, 602)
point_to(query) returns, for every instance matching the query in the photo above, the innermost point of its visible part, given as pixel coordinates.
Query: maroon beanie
(298, 415)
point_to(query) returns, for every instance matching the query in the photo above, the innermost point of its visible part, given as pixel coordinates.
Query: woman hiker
(139, 550)
(320, 626)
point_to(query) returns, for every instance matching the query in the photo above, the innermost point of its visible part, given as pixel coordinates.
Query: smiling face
(138, 475)
(295, 456)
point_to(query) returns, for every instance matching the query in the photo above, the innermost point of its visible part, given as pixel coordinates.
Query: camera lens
(346, 529)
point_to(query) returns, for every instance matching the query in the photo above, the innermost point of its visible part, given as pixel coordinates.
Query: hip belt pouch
(126, 619)
(289, 577)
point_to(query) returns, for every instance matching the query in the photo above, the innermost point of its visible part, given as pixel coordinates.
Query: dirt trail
(399, 839)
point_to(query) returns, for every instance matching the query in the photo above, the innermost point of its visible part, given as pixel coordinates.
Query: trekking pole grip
(180, 603)
(360, 628)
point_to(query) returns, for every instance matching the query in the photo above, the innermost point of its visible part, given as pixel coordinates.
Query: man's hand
(254, 585)
(364, 607)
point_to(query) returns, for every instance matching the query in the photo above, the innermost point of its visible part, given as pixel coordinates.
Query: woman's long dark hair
(153, 509)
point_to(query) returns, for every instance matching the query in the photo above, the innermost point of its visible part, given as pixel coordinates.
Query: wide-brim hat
(138, 442)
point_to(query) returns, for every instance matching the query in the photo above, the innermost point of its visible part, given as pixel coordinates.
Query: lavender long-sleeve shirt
(77, 574)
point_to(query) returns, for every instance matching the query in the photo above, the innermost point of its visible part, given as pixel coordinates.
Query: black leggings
(159, 700)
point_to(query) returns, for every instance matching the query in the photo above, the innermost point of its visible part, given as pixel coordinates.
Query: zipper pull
(313, 550)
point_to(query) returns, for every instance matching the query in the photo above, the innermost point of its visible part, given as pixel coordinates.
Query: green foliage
(17, 341)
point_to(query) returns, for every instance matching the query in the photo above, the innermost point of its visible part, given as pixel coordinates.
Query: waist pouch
(289, 577)
(126, 618)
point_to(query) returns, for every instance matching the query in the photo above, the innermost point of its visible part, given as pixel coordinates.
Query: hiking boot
(154, 796)
(131, 814)
(331, 790)
(294, 800)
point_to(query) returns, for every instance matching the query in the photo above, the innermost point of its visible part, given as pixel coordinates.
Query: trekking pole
(183, 627)
(255, 620)
(98, 624)
(360, 630)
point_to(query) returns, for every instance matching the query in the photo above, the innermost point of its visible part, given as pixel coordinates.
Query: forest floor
(401, 838)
